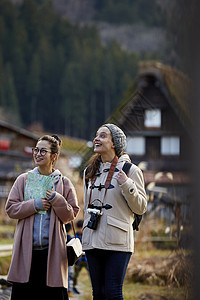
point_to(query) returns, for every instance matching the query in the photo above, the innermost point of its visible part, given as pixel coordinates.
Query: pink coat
(64, 209)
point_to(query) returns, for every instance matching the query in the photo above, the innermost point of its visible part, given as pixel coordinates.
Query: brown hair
(93, 165)
(54, 141)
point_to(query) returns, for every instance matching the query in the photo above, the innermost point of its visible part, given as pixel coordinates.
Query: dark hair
(93, 165)
(79, 224)
(54, 141)
(68, 227)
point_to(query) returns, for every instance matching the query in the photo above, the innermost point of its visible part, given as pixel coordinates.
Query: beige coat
(64, 209)
(114, 231)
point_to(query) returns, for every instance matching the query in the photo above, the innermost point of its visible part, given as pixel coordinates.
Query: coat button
(131, 190)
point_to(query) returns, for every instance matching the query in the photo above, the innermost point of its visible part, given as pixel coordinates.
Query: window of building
(152, 118)
(170, 145)
(136, 145)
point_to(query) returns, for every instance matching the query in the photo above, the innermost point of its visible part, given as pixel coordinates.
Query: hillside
(132, 37)
(136, 35)
(64, 52)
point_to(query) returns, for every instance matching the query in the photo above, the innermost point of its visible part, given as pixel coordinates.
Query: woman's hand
(45, 203)
(121, 177)
(49, 193)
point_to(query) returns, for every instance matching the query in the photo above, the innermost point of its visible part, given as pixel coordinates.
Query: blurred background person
(82, 262)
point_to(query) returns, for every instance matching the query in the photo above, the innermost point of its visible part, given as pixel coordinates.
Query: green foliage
(129, 11)
(56, 73)
(11, 105)
(4, 264)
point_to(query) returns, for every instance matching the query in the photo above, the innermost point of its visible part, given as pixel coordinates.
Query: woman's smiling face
(103, 141)
(42, 154)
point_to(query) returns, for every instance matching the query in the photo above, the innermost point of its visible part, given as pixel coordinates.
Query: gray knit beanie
(119, 138)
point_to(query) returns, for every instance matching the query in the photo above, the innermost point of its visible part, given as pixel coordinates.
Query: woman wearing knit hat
(110, 200)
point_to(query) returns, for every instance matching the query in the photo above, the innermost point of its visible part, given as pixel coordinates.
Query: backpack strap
(126, 167)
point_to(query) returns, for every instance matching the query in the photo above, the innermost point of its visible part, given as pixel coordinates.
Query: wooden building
(15, 156)
(156, 116)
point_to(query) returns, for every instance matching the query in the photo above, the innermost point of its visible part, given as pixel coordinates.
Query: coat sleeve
(66, 205)
(16, 207)
(133, 191)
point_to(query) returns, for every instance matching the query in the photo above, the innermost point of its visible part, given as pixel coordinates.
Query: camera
(94, 219)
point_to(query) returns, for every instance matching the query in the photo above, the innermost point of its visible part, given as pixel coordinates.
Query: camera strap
(108, 179)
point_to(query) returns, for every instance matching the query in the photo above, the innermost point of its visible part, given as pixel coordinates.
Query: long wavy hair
(93, 165)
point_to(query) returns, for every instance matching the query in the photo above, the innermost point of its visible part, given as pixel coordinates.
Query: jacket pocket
(116, 232)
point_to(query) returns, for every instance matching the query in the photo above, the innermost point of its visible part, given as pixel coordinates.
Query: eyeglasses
(42, 152)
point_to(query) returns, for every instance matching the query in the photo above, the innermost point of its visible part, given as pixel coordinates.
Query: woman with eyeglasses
(42, 200)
